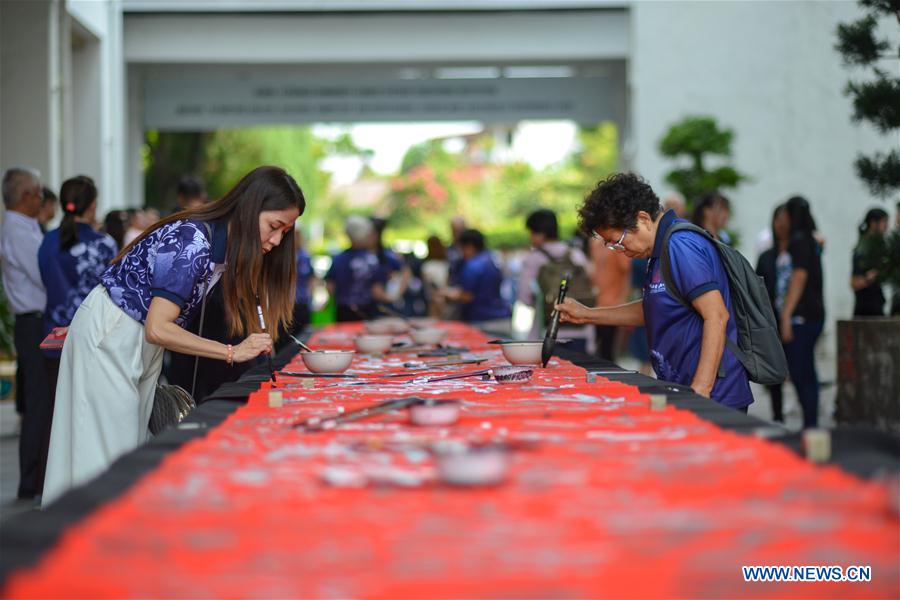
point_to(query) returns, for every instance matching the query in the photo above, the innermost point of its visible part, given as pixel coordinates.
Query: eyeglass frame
(615, 246)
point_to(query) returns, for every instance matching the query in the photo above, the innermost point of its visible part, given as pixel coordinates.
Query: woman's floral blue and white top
(175, 262)
(70, 275)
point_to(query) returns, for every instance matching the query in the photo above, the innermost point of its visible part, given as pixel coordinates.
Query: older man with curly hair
(687, 343)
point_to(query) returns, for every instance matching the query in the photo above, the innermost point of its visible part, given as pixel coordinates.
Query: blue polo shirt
(304, 274)
(481, 277)
(175, 262)
(674, 331)
(353, 273)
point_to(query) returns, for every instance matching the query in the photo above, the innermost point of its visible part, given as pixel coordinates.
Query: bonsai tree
(877, 99)
(695, 139)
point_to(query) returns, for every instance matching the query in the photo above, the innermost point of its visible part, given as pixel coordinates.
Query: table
(606, 497)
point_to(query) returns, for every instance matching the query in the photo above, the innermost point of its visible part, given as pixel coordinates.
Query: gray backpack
(758, 346)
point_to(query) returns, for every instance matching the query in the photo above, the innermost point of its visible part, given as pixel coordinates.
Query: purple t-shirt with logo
(354, 273)
(675, 331)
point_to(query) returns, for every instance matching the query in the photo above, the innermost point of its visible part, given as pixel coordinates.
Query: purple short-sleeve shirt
(175, 262)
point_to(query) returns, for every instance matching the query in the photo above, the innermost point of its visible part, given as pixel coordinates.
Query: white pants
(104, 396)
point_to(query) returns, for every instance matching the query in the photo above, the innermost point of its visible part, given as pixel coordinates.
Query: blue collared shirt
(675, 331)
(177, 262)
(481, 277)
(19, 242)
(70, 275)
(304, 274)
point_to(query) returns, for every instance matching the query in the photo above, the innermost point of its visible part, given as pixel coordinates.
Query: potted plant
(869, 349)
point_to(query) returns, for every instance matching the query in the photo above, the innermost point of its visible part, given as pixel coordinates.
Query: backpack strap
(665, 269)
(551, 258)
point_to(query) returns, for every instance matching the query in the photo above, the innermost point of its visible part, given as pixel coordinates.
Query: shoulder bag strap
(202, 316)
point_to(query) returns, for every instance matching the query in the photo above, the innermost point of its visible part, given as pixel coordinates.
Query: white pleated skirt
(104, 395)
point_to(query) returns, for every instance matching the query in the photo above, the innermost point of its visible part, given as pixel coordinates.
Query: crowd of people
(144, 297)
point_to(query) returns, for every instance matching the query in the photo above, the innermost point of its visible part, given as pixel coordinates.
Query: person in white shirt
(21, 238)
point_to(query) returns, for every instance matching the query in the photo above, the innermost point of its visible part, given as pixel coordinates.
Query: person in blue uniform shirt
(356, 280)
(687, 344)
(71, 258)
(305, 279)
(478, 284)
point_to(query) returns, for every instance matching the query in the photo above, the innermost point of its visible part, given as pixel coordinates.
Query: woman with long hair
(774, 266)
(803, 314)
(868, 291)
(113, 353)
(71, 259)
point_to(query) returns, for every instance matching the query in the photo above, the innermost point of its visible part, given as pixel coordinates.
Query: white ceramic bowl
(522, 353)
(422, 322)
(434, 413)
(373, 344)
(327, 361)
(428, 337)
(386, 326)
(486, 465)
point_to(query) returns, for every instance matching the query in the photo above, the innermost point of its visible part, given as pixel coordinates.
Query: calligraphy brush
(262, 325)
(321, 424)
(552, 329)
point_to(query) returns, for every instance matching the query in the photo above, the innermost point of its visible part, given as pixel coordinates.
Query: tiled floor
(9, 462)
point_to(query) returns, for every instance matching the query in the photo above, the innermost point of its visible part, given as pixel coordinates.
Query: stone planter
(868, 356)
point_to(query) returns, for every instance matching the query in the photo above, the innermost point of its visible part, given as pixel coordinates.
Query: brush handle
(262, 326)
(554, 320)
(553, 328)
(316, 423)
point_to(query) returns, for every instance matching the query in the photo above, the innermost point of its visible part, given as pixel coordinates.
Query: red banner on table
(604, 498)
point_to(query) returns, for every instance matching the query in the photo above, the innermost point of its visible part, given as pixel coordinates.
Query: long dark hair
(801, 218)
(114, 226)
(873, 216)
(76, 196)
(250, 272)
(778, 210)
(707, 202)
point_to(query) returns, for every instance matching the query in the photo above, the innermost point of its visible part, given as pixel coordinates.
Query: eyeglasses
(612, 245)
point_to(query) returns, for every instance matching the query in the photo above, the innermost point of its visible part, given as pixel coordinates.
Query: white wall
(28, 100)
(61, 106)
(769, 71)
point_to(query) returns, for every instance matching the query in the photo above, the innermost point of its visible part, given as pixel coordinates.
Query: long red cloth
(605, 497)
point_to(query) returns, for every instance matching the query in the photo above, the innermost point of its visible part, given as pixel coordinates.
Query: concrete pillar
(116, 144)
(134, 139)
(87, 104)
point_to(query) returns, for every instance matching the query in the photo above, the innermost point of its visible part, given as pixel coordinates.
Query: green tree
(222, 157)
(693, 140)
(167, 155)
(876, 100)
(597, 155)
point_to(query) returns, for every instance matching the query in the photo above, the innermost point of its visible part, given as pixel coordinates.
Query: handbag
(172, 403)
